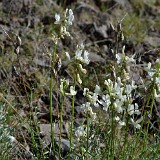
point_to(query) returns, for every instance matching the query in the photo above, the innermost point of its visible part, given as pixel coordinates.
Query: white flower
(67, 55)
(63, 85)
(97, 89)
(149, 66)
(128, 89)
(121, 123)
(133, 85)
(119, 81)
(136, 109)
(57, 17)
(105, 102)
(131, 59)
(136, 124)
(86, 59)
(95, 99)
(70, 17)
(118, 106)
(78, 55)
(70, 12)
(64, 32)
(66, 11)
(72, 91)
(117, 90)
(12, 139)
(86, 90)
(133, 109)
(123, 49)
(157, 81)
(151, 73)
(150, 70)
(157, 96)
(82, 46)
(109, 84)
(80, 132)
(119, 58)
(93, 115)
(88, 109)
(85, 106)
(126, 75)
(130, 109)
(117, 118)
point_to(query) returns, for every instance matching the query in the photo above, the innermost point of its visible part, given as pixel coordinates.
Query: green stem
(146, 134)
(61, 123)
(72, 118)
(51, 100)
(51, 113)
(126, 138)
(139, 134)
(113, 134)
(87, 136)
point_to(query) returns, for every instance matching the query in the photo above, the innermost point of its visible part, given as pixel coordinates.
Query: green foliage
(134, 28)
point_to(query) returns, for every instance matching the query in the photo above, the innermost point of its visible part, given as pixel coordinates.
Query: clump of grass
(135, 28)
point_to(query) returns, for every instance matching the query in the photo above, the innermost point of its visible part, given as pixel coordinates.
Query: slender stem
(139, 134)
(51, 112)
(72, 118)
(51, 100)
(112, 134)
(87, 136)
(126, 138)
(145, 137)
(61, 123)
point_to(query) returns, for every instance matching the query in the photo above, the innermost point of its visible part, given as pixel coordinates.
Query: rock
(153, 41)
(96, 58)
(16, 6)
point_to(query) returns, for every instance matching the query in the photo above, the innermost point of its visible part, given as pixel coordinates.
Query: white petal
(72, 91)
(97, 89)
(67, 55)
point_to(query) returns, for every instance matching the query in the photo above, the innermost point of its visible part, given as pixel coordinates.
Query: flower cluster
(81, 57)
(63, 88)
(68, 18)
(117, 95)
(78, 55)
(64, 23)
(151, 71)
(88, 110)
(121, 57)
(81, 131)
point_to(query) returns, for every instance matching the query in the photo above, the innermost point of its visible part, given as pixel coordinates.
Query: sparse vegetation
(60, 101)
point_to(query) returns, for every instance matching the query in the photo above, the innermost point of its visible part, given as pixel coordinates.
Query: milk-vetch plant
(63, 22)
(117, 98)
